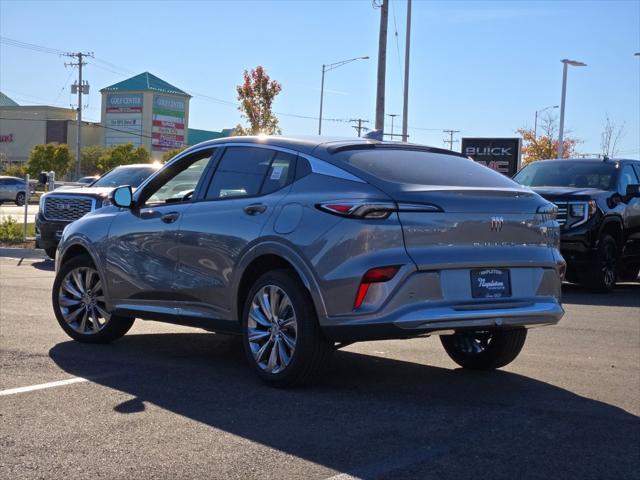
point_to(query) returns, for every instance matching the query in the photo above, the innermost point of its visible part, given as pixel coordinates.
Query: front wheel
(603, 272)
(484, 350)
(281, 335)
(51, 252)
(20, 199)
(79, 304)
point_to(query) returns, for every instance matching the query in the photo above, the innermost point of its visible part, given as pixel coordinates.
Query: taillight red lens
(338, 207)
(375, 275)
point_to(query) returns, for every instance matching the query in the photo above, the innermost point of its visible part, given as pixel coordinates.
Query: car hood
(84, 191)
(568, 193)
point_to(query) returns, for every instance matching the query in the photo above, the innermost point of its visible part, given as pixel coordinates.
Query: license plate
(490, 283)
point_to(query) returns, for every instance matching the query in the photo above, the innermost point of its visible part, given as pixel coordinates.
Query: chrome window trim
(73, 197)
(318, 166)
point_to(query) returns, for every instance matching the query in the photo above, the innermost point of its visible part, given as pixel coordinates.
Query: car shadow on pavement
(623, 295)
(46, 265)
(371, 417)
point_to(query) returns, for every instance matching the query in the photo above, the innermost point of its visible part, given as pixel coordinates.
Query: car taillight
(372, 210)
(375, 275)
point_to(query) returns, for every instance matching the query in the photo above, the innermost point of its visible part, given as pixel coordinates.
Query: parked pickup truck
(599, 214)
(67, 204)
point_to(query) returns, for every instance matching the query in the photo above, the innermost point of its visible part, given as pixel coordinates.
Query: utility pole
(405, 105)
(80, 88)
(451, 141)
(382, 64)
(359, 127)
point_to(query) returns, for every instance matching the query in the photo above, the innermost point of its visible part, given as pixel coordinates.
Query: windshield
(562, 173)
(133, 176)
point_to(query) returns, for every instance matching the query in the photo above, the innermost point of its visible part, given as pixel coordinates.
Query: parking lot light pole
(566, 62)
(326, 68)
(535, 122)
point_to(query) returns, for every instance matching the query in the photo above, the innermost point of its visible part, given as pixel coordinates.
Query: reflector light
(375, 275)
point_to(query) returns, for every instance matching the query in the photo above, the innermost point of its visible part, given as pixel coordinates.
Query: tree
(256, 95)
(15, 170)
(169, 154)
(545, 144)
(124, 154)
(90, 159)
(50, 157)
(610, 136)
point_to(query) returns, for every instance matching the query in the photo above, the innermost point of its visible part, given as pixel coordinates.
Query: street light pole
(566, 63)
(405, 104)
(535, 123)
(393, 116)
(326, 68)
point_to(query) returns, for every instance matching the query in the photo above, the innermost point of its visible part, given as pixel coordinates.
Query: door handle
(255, 208)
(170, 217)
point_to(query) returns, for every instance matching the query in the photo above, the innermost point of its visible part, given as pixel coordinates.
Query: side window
(627, 177)
(240, 173)
(178, 182)
(280, 173)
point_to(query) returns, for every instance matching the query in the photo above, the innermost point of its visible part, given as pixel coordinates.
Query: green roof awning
(145, 82)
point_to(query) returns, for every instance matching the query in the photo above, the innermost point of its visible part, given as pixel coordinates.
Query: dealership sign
(499, 154)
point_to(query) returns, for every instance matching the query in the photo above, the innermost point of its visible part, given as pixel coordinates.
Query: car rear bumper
(439, 302)
(449, 319)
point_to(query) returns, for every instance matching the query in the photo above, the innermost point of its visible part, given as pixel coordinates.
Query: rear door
(142, 251)
(247, 184)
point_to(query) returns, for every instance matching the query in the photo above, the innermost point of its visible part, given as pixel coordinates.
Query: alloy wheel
(81, 299)
(608, 265)
(272, 329)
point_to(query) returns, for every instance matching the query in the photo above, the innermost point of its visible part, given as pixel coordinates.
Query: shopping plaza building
(143, 110)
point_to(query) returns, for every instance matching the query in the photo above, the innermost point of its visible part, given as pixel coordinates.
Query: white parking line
(41, 386)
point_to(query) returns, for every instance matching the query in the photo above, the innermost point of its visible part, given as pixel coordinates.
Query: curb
(10, 252)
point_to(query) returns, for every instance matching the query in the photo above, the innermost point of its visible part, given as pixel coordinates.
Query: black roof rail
(392, 146)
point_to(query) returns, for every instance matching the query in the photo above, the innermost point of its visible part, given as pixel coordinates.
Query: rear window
(564, 173)
(425, 168)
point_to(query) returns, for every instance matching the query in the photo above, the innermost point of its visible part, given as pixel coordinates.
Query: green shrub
(10, 231)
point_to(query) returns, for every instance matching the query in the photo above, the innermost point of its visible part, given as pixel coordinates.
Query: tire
(484, 350)
(84, 317)
(602, 273)
(20, 199)
(51, 252)
(267, 345)
(629, 272)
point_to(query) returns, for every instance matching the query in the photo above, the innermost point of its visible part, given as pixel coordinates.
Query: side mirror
(122, 196)
(633, 191)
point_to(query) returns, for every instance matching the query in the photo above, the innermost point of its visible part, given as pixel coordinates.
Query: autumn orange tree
(256, 94)
(544, 143)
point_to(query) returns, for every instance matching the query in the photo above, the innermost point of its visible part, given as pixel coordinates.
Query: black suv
(599, 214)
(66, 204)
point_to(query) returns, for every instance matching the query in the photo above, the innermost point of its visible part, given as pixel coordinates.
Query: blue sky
(479, 67)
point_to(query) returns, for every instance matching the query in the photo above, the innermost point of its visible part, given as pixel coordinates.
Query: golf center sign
(499, 154)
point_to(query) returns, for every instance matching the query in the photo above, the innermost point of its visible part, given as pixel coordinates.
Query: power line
(119, 70)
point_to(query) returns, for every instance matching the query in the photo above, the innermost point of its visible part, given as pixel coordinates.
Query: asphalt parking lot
(172, 402)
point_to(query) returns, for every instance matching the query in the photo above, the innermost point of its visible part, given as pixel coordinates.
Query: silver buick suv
(302, 246)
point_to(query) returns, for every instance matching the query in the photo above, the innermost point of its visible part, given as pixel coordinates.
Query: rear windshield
(413, 167)
(133, 176)
(564, 173)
